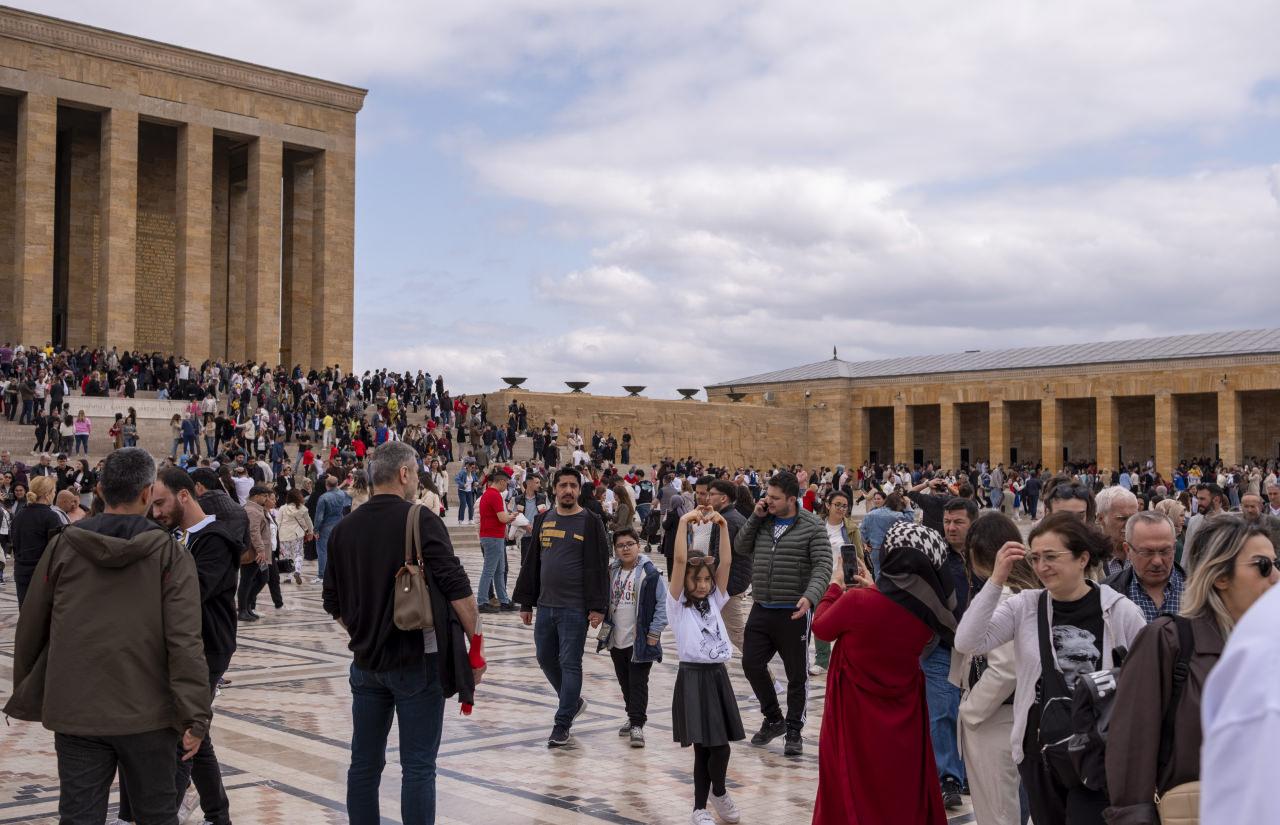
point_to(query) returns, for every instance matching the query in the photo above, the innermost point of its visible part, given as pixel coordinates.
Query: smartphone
(849, 558)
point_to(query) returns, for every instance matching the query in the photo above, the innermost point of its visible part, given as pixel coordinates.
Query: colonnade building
(158, 198)
(1170, 399)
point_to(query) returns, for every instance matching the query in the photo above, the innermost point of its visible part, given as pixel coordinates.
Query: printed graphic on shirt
(1077, 651)
(712, 642)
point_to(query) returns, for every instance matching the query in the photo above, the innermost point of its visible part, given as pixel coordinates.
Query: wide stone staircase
(153, 425)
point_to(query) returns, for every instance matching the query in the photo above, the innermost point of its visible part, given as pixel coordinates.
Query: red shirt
(359, 447)
(490, 506)
(308, 458)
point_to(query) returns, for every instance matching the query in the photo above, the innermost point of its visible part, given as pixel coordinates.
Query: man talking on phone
(791, 560)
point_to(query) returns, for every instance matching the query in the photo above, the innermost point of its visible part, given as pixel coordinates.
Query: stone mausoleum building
(1214, 395)
(159, 198)
(1210, 396)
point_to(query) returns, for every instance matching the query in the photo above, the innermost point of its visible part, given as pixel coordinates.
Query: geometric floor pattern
(283, 726)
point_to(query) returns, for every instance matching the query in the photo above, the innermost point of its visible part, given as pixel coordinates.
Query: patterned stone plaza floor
(282, 731)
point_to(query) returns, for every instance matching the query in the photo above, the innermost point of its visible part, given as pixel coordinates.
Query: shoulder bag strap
(1054, 684)
(1181, 670)
(410, 537)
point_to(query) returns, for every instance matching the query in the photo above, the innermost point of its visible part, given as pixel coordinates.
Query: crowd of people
(957, 654)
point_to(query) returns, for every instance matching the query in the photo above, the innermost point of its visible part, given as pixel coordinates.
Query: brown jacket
(108, 640)
(1143, 694)
(259, 530)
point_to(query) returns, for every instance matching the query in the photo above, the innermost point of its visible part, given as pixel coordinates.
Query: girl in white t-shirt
(704, 712)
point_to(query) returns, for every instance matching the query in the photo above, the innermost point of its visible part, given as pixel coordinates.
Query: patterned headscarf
(911, 574)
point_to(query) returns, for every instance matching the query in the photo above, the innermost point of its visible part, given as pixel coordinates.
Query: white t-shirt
(700, 638)
(626, 600)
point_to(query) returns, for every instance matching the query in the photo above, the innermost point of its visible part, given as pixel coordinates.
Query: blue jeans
(493, 571)
(944, 709)
(322, 545)
(82, 440)
(466, 504)
(642, 510)
(559, 634)
(412, 693)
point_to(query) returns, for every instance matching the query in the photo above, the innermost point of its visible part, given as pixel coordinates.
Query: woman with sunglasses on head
(1069, 628)
(1155, 736)
(1063, 494)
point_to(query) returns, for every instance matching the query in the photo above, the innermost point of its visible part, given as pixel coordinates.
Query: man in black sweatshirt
(215, 548)
(408, 672)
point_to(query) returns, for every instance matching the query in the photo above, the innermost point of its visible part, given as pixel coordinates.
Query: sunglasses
(1264, 565)
(1066, 491)
(702, 561)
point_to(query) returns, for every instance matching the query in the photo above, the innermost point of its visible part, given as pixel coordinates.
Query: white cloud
(754, 182)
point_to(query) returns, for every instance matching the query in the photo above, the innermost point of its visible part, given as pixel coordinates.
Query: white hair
(1111, 496)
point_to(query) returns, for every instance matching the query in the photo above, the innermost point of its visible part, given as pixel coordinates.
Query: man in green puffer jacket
(791, 557)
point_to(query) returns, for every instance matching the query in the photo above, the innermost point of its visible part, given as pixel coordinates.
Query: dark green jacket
(797, 565)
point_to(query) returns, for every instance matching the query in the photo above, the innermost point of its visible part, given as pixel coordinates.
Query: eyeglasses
(1047, 558)
(842, 505)
(626, 545)
(1165, 553)
(1264, 565)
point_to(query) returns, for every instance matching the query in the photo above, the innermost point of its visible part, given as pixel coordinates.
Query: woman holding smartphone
(841, 530)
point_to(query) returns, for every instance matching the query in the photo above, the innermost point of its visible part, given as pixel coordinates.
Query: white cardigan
(989, 622)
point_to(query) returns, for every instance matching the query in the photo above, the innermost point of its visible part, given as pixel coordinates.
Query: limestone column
(333, 260)
(1108, 432)
(998, 432)
(262, 252)
(949, 436)
(1051, 433)
(297, 249)
(194, 212)
(31, 310)
(860, 436)
(904, 434)
(1166, 433)
(1230, 430)
(118, 208)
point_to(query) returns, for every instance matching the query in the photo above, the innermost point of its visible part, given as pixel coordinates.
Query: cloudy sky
(676, 193)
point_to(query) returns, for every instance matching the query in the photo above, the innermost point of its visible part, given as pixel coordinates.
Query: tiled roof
(1204, 345)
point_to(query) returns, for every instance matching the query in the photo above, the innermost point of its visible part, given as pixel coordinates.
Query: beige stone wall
(8, 227)
(728, 434)
(156, 245)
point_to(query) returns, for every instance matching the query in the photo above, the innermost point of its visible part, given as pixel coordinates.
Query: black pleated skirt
(704, 710)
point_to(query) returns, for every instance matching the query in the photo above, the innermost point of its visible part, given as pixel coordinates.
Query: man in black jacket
(215, 548)
(408, 671)
(566, 576)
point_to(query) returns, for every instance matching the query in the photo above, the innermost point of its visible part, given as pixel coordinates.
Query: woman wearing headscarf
(875, 757)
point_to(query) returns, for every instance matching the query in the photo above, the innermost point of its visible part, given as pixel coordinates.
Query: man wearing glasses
(1152, 579)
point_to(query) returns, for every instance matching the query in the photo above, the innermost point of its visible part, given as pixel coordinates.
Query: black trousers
(769, 631)
(87, 764)
(273, 583)
(202, 769)
(1051, 802)
(252, 579)
(633, 678)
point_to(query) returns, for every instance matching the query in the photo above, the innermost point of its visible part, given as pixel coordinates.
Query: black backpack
(1094, 702)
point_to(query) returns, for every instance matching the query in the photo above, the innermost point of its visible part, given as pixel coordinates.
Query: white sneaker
(317, 580)
(816, 670)
(725, 809)
(191, 802)
(702, 817)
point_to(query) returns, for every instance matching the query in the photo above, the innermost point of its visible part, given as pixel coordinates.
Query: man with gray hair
(1152, 579)
(405, 673)
(1273, 499)
(1116, 506)
(150, 652)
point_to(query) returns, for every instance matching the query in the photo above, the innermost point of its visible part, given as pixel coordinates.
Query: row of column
(1107, 428)
(327, 340)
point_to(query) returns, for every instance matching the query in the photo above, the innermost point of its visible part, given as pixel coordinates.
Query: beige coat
(295, 523)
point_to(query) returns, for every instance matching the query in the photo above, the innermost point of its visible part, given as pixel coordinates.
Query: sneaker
(487, 608)
(559, 737)
(637, 737)
(725, 809)
(768, 732)
(582, 708)
(317, 580)
(816, 670)
(964, 789)
(795, 745)
(625, 730)
(508, 607)
(246, 616)
(702, 817)
(297, 578)
(190, 803)
(951, 793)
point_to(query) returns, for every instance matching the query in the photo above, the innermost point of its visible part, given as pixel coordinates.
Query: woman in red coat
(875, 758)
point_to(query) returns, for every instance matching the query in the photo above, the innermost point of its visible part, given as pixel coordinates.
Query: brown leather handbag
(412, 610)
